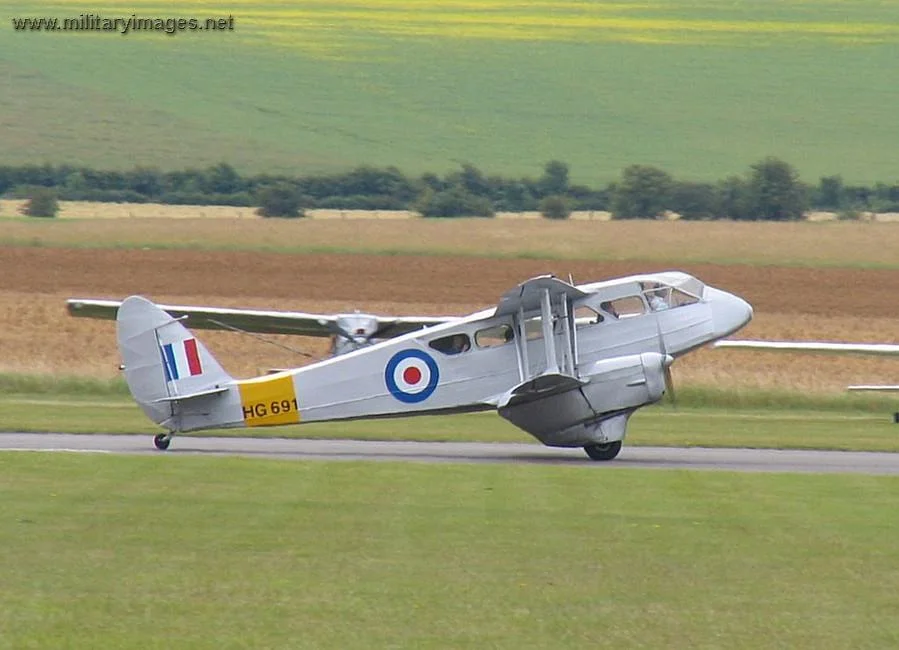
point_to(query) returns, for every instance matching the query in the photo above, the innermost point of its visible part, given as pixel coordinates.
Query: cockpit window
(453, 344)
(680, 298)
(660, 297)
(626, 307)
(492, 337)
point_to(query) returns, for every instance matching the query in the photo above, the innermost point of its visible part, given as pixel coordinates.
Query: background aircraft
(567, 364)
(871, 349)
(348, 332)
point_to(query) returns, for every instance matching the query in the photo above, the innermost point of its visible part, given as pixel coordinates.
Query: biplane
(826, 347)
(567, 364)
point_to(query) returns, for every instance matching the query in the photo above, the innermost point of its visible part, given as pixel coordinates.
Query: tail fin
(171, 375)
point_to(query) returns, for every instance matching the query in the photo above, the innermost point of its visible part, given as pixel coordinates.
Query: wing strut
(572, 342)
(521, 345)
(558, 360)
(237, 330)
(549, 343)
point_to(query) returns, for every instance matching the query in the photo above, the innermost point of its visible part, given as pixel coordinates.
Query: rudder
(171, 375)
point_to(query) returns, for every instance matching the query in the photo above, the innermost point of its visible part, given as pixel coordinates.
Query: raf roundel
(411, 376)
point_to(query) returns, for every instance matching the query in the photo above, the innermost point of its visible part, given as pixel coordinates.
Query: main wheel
(162, 441)
(608, 451)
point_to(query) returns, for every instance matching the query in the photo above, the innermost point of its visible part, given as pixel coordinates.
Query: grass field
(169, 552)
(702, 418)
(701, 89)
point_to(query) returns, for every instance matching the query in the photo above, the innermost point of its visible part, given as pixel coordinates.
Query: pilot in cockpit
(656, 297)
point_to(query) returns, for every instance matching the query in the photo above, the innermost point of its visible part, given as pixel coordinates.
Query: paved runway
(746, 460)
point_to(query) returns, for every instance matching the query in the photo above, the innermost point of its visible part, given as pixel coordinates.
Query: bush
(643, 193)
(41, 203)
(454, 202)
(775, 192)
(555, 207)
(280, 200)
(694, 201)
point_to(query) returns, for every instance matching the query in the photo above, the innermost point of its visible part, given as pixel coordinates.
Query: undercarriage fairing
(596, 410)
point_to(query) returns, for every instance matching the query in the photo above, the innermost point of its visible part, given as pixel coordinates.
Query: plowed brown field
(37, 336)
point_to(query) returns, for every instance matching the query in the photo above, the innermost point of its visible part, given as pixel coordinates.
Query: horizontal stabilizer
(538, 388)
(183, 398)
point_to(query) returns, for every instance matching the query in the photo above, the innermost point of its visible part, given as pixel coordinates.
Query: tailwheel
(162, 441)
(606, 451)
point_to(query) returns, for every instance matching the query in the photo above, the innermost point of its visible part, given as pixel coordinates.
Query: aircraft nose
(729, 312)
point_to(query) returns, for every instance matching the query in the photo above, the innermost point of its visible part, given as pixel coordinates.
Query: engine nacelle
(596, 412)
(623, 382)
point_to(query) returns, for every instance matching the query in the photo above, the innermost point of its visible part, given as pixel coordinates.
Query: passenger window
(584, 316)
(453, 344)
(493, 336)
(626, 307)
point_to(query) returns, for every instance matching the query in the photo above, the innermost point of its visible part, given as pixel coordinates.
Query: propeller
(669, 381)
(358, 340)
(666, 366)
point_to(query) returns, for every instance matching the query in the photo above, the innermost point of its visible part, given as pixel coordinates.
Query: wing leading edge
(258, 321)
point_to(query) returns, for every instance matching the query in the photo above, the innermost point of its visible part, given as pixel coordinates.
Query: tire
(162, 441)
(608, 451)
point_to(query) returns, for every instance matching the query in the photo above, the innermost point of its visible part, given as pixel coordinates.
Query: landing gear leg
(607, 451)
(162, 441)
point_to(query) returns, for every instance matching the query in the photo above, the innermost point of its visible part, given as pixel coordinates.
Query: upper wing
(528, 295)
(257, 320)
(877, 349)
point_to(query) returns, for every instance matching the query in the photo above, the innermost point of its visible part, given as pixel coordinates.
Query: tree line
(770, 190)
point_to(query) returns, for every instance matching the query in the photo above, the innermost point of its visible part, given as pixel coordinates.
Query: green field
(701, 89)
(701, 418)
(163, 552)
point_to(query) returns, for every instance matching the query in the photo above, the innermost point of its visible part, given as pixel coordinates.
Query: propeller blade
(669, 386)
(337, 329)
(342, 332)
(669, 380)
